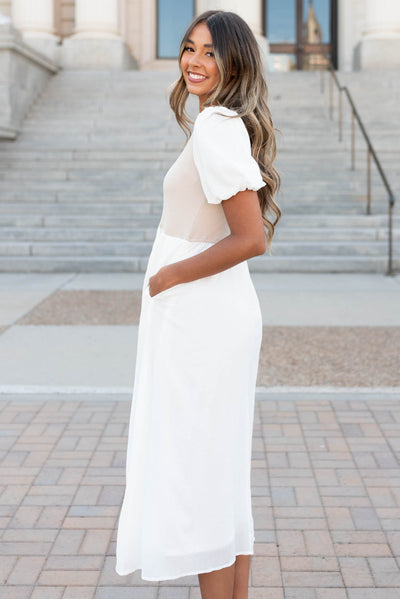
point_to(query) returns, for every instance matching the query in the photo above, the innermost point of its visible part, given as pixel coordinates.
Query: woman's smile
(196, 77)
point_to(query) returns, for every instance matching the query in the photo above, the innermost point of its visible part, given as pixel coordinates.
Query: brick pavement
(325, 485)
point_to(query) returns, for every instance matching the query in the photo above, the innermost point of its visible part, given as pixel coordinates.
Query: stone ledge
(11, 39)
(23, 73)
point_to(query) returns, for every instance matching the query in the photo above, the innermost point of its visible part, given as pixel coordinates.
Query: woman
(187, 504)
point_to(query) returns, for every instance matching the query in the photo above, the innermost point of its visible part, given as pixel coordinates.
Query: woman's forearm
(222, 255)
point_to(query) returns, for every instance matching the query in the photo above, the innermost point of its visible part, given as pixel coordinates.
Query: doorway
(302, 34)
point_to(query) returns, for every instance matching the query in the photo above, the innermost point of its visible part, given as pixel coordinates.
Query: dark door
(301, 33)
(173, 18)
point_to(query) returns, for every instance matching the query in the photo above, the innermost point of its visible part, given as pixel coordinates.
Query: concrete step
(76, 248)
(142, 248)
(136, 218)
(127, 208)
(85, 221)
(282, 234)
(137, 264)
(61, 234)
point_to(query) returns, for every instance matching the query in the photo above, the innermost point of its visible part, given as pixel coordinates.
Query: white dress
(187, 503)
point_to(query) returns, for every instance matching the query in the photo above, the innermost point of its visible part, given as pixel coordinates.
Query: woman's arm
(246, 239)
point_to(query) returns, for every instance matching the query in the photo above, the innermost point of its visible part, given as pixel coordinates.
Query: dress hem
(225, 565)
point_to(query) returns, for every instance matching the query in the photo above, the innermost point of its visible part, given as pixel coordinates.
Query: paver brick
(283, 496)
(125, 593)
(312, 579)
(254, 593)
(79, 593)
(375, 593)
(52, 516)
(362, 549)
(331, 593)
(356, 572)
(301, 523)
(339, 518)
(89, 522)
(265, 571)
(318, 530)
(13, 494)
(173, 593)
(74, 562)
(24, 548)
(68, 542)
(69, 577)
(319, 543)
(47, 592)
(309, 564)
(95, 542)
(291, 542)
(26, 570)
(385, 571)
(266, 549)
(87, 495)
(307, 496)
(28, 534)
(26, 516)
(7, 564)
(299, 593)
(16, 592)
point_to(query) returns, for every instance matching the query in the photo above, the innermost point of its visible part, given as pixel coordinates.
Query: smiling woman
(187, 506)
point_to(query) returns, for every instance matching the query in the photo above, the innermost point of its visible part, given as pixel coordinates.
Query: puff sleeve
(222, 155)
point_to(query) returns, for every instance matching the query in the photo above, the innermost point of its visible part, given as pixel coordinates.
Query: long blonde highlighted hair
(236, 49)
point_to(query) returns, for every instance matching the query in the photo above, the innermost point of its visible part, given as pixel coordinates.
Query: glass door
(173, 18)
(301, 33)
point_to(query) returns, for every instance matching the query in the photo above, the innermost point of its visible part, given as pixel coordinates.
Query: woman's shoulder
(210, 111)
(212, 123)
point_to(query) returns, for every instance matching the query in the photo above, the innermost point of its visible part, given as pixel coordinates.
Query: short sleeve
(222, 155)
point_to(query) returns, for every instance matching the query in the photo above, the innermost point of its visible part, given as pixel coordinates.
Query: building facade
(293, 34)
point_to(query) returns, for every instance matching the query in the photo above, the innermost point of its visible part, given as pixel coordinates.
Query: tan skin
(246, 239)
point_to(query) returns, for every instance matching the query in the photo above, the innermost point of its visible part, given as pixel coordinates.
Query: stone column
(97, 43)
(35, 20)
(380, 43)
(250, 11)
(96, 19)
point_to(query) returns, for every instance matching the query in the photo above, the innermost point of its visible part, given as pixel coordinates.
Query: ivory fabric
(187, 502)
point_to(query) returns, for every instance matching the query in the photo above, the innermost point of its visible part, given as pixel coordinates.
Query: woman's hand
(162, 280)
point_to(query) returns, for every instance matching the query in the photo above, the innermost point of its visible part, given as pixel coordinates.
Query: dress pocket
(168, 291)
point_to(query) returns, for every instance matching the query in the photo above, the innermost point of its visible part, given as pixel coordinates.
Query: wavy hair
(236, 50)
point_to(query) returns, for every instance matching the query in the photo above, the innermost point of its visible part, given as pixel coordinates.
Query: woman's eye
(190, 48)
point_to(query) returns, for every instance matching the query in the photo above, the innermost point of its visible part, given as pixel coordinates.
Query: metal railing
(342, 89)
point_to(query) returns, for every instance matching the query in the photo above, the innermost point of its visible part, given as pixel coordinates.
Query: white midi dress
(187, 502)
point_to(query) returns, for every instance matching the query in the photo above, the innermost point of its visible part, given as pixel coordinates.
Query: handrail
(370, 150)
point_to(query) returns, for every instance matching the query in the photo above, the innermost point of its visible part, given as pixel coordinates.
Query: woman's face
(198, 64)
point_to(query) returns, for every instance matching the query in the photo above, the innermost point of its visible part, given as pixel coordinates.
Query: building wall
(64, 17)
(5, 7)
(140, 30)
(138, 25)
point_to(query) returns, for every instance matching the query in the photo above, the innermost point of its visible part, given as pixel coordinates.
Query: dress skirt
(187, 503)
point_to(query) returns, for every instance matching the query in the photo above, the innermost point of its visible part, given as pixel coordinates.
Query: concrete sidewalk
(68, 332)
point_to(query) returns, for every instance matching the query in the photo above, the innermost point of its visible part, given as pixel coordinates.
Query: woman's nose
(194, 59)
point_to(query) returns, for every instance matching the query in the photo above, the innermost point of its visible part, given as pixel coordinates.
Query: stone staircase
(81, 188)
